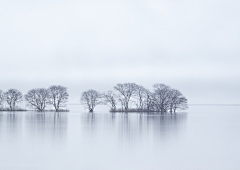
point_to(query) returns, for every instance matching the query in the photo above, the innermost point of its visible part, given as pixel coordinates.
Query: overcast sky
(190, 45)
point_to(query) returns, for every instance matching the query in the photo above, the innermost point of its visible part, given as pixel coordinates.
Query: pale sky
(190, 45)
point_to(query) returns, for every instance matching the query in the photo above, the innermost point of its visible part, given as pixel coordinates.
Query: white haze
(189, 45)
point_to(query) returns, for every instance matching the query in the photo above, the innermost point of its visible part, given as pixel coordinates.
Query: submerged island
(162, 99)
(38, 99)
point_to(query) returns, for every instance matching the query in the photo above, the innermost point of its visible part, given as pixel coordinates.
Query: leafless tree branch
(90, 99)
(12, 97)
(37, 98)
(58, 96)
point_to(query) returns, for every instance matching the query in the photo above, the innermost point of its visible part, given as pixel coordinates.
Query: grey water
(203, 137)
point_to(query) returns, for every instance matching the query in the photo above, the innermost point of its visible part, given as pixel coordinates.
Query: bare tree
(161, 97)
(148, 102)
(1, 98)
(173, 97)
(90, 99)
(126, 90)
(180, 104)
(58, 96)
(140, 94)
(37, 98)
(177, 101)
(110, 99)
(13, 96)
(121, 102)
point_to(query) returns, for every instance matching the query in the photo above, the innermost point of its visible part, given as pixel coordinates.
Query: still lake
(201, 138)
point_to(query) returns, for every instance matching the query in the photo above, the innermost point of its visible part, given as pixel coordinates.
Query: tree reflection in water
(134, 126)
(100, 126)
(47, 125)
(10, 126)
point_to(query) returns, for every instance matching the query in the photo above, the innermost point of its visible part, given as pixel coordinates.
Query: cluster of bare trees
(56, 96)
(162, 99)
(38, 99)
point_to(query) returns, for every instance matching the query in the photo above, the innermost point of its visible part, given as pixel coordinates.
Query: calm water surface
(203, 138)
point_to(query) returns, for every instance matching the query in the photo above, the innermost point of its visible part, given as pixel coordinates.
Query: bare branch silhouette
(90, 99)
(1, 98)
(110, 99)
(140, 94)
(37, 98)
(58, 96)
(12, 97)
(126, 92)
(161, 97)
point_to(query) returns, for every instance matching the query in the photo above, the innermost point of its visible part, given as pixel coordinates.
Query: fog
(192, 46)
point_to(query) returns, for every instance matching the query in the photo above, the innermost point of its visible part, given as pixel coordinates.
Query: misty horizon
(190, 45)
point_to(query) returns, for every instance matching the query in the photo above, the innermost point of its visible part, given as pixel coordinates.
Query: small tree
(58, 96)
(180, 104)
(37, 98)
(148, 102)
(127, 91)
(1, 98)
(110, 99)
(161, 97)
(140, 94)
(12, 97)
(90, 99)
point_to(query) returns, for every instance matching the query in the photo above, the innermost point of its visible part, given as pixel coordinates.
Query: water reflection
(48, 125)
(114, 126)
(134, 126)
(10, 125)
